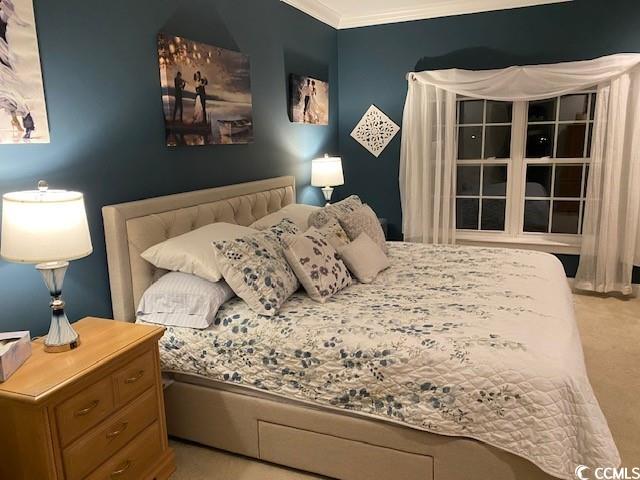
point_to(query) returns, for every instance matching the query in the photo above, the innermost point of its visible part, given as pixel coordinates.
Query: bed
(457, 363)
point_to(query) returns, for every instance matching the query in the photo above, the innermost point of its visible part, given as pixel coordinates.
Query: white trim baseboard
(433, 9)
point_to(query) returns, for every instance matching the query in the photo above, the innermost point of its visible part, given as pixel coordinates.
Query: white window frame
(514, 235)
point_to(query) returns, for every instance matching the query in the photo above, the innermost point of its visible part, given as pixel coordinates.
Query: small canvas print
(206, 93)
(23, 111)
(309, 102)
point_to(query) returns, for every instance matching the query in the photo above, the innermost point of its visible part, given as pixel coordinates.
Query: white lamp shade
(44, 226)
(326, 172)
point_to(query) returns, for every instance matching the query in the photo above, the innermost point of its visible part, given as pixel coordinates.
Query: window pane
(571, 140)
(499, 112)
(471, 111)
(586, 180)
(540, 141)
(467, 210)
(493, 214)
(574, 107)
(568, 181)
(470, 143)
(494, 180)
(497, 143)
(542, 110)
(592, 112)
(538, 181)
(565, 217)
(536, 215)
(468, 180)
(584, 205)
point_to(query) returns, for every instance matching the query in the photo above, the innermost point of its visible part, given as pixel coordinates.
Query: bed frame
(328, 442)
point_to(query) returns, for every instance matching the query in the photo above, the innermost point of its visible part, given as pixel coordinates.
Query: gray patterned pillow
(317, 265)
(364, 220)
(334, 211)
(257, 271)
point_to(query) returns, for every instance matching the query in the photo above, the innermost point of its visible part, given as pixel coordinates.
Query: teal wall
(101, 81)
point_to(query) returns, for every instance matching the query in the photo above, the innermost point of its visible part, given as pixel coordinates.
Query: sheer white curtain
(427, 158)
(428, 184)
(612, 216)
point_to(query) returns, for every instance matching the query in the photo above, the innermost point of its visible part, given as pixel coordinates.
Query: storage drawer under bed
(338, 457)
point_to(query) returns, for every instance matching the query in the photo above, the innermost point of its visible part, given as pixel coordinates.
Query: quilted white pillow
(192, 253)
(183, 300)
(298, 213)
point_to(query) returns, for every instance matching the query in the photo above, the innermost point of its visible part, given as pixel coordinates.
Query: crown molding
(432, 9)
(317, 10)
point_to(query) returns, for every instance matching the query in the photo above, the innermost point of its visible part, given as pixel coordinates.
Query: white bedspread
(461, 341)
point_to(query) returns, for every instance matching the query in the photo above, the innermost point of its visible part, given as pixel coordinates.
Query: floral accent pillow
(317, 265)
(283, 228)
(334, 211)
(257, 271)
(335, 234)
(364, 220)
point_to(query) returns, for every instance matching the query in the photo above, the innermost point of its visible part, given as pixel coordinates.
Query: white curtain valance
(611, 233)
(534, 82)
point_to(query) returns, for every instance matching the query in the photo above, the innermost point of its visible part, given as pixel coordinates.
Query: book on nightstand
(15, 348)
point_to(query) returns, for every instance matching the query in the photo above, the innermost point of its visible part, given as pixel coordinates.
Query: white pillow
(192, 252)
(183, 300)
(298, 213)
(364, 258)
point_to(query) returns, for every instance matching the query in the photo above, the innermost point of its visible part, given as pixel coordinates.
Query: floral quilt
(461, 341)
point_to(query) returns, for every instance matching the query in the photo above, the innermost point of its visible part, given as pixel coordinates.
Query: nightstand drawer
(133, 461)
(84, 410)
(133, 379)
(88, 452)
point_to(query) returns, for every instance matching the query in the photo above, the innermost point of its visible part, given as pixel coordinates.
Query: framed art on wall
(206, 93)
(23, 111)
(309, 100)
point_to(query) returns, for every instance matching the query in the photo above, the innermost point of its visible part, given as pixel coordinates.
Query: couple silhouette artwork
(310, 112)
(200, 102)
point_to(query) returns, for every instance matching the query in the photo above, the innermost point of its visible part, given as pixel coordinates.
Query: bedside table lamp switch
(47, 228)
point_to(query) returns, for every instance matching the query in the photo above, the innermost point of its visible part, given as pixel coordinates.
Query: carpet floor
(610, 331)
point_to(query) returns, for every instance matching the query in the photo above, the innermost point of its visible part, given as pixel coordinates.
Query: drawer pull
(135, 378)
(125, 466)
(114, 433)
(87, 409)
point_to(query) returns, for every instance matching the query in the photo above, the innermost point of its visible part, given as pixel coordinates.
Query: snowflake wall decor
(375, 130)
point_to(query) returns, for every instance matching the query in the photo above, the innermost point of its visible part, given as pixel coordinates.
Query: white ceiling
(360, 13)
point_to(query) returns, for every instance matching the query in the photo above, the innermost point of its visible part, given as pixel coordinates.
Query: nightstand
(96, 412)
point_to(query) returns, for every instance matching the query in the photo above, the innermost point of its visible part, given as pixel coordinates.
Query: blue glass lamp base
(61, 337)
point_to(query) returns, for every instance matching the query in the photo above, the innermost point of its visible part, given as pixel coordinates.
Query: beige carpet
(610, 330)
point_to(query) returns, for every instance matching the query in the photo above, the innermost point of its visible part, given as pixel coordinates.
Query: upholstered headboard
(131, 228)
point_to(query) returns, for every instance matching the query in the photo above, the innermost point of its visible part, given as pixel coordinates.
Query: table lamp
(47, 228)
(327, 173)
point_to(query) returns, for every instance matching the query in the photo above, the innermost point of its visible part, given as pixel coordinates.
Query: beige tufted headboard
(131, 228)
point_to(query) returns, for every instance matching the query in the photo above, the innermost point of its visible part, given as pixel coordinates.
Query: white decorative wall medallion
(375, 130)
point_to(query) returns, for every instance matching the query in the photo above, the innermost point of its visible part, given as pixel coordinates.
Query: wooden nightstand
(96, 412)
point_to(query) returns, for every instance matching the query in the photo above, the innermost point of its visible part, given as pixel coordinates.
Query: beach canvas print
(309, 102)
(23, 112)
(206, 93)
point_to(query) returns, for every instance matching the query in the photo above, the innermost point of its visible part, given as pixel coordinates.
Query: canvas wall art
(23, 111)
(309, 100)
(206, 93)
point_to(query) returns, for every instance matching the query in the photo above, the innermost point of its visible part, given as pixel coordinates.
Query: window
(522, 168)
(484, 148)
